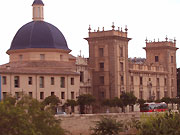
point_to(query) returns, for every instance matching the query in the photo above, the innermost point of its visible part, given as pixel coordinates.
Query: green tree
(167, 100)
(53, 101)
(27, 117)
(71, 103)
(107, 126)
(159, 124)
(85, 100)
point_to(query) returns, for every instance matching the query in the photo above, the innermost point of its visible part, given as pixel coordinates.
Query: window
(30, 80)
(172, 70)
(158, 95)
(62, 82)
(4, 80)
(17, 95)
(42, 56)
(172, 59)
(30, 94)
(101, 66)
(102, 94)
(141, 94)
(101, 79)
(172, 82)
(121, 51)
(156, 59)
(165, 94)
(62, 95)
(52, 93)
(141, 81)
(52, 80)
(72, 95)
(72, 81)
(132, 80)
(81, 76)
(20, 57)
(101, 52)
(149, 79)
(165, 81)
(41, 82)
(158, 83)
(61, 57)
(122, 80)
(38, 12)
(41, 95)
(16, 81)
(121, 66)
(4, 95)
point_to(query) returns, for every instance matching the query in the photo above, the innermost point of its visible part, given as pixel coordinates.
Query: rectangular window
(149, 79)
(172, 59)
(101, 52)
(81, 76)
(61, 57)
(62, 82)
(72, 95)
(16, 82)
(102, 94)
(132, 80)
(121, 66)
(4, 95)
(156, 59)
(62, 95)
(17, 95)
(42, 56)
(158, 82)
(165, 94)
(72, 81)
(158, 95)
(172, 70)
(30, 80)
(101, 65)
(52, 93)
(122, 80)
(165, 82)
(41, 82)
(4, 81)
(101, 79)
(20, 57)
(121, 51)
(52, 80)
(30, 94)
(141, 81)
(41, 95)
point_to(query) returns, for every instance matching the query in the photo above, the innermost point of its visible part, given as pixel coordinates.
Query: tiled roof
(38, 2)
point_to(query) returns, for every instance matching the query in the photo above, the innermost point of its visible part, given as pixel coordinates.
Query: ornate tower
(108, 59)
(164, 54)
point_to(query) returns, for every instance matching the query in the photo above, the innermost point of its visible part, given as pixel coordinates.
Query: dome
(39, 34)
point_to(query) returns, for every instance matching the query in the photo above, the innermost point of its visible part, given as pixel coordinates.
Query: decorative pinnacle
(126, 29)
(89, 28)
(146, 40)
(98, 29)
(113, 26)
(174, 40)
(166, 38)
(103, 28)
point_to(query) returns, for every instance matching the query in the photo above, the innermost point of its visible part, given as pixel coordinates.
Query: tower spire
(38, 11)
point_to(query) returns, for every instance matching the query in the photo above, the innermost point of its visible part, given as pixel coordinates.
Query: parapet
(102, 33)
(167, 43)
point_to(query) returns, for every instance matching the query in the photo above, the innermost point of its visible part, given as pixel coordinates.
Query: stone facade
(113, 72)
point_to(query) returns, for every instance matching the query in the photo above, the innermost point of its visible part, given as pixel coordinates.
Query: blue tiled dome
(38, 34)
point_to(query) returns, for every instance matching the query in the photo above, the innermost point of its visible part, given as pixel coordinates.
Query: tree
(53, 101)
(159, 124)
(141, 101)
(71, 103)
(85, 100)
(107, 126)
(27, 117)
(167, 100)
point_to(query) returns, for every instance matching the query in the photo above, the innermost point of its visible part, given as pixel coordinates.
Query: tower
(164, 54)
(108, 60)
(38, 11)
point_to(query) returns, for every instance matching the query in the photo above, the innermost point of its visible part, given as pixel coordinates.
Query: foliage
(85, 100)
(159, 124)
(71, 103)
(128, 98)
(167, 100)
(141, 101)
(115, 102)
(107, 126)
(53, 102)
(27, 117)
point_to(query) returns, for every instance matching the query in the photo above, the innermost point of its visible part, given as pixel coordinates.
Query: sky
(144, 18)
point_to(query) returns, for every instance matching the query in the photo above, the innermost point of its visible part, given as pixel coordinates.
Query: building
(113, 72)
(40, 65)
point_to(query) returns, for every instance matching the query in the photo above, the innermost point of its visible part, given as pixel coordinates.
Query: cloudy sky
(144, 18)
